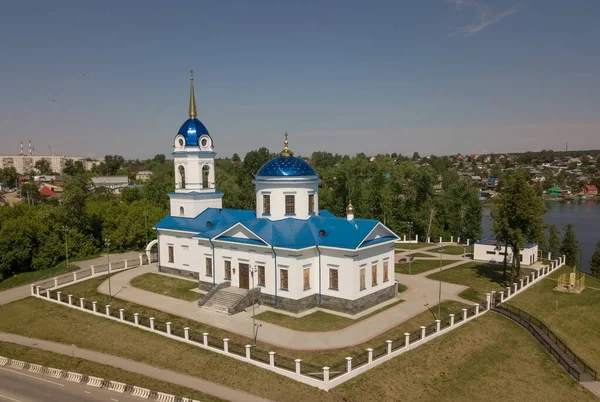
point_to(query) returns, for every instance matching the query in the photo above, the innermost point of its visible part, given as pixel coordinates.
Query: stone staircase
(224, 300)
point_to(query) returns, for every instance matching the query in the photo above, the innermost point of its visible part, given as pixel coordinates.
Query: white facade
(304, 191)
(490, 252)
(26, 163)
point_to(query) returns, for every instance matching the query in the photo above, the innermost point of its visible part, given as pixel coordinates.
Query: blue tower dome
(286, 165)
(192, 129)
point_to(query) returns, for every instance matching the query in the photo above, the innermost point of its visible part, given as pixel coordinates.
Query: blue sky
(433, 76)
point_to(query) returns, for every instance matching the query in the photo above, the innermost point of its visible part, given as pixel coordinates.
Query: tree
(553, 240)
(416, 156)
(43, 166)
(595, 261)
(73, 167)
(518, 217)
(30, 193)
(236, 158)
(9, 177)
(570, 246)
(111, 165)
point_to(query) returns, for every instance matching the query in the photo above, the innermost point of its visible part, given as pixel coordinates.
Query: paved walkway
(22, 292)
(197, 384)
(421, 291)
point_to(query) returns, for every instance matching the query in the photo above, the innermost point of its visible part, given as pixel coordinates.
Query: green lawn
(167, 286)
(33, 276)
(475, 362)
(77, 365)
(319, 321)
(413, 246)
(419, 266)
(456, 250)
(401, 288)
(575, 318)
(416, 255)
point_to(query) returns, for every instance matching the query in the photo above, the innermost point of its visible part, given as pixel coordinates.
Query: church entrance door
(244, 276)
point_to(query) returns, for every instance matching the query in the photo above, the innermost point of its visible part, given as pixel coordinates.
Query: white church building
(292, 254)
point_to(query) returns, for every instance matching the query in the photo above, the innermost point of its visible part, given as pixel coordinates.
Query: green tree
(570, 245)
(9, 177)
(43, 166)
(30, 193)
(111, 165)
(73, 167)
(553, 240)
(518, 217)
(236, 158)
(416, 156)
(595, 261)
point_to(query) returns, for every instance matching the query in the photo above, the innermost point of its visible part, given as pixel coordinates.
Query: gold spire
(193, 112)
(349, 208)
(286, 150)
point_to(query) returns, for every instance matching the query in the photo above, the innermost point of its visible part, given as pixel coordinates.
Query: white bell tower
(194, 161)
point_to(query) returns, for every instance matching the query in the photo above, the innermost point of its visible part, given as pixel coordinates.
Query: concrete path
(198, 384)
(22, 292)
(421, 291)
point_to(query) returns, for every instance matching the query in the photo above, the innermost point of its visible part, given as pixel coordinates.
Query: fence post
(81, 301)
(417, 238)
(488, 300)
(451, 239)
(151, 323)
(74, 276)
(423, 329)
(389, 346)
(406, 339)
(58, 296)
(205, 338)
(348, 364)
(468, 242)
(458, 241)
(168, 328)
(272, 359)
(110, 267)
(526, 280)
(226, 345)
(186, 333)
(465, 313)
(70, 300)
(136, 318)
(107, 310)
(33, 290)
(55, 282)
(141, 260)
(451, 320)
(369, 355)
(93, 267)
(122, 314)
(125, 264)
(515, 285)
(298, 367)
(404, 238)
(428, 240)
(440, 239)
(477, 309)
(47, 293)
(95, 307)
(501, 297)
(521, 284)
(438, 325)
(326, 375)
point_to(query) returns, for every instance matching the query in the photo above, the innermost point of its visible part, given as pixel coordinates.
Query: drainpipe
(319, 251)
(214, 274)
(275, 276)
(158, 250)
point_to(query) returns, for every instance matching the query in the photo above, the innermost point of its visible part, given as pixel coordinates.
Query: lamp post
(253, 269)
(66, 230)
(409, 247)
(440, 286)
(107, 243)
(146, 227)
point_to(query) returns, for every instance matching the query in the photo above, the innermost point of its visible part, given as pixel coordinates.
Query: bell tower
(194, 163)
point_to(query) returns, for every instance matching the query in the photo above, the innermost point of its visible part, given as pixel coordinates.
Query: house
(492, 182)
(493, 251)
(286, 253)
(589, 189)
(114, 183)
(46, 192)
(143, 175)
(555, 191)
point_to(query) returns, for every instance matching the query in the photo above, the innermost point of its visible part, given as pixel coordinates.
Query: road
(18, 386)
(22, 292)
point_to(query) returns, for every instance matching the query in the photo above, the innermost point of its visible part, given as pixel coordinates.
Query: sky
(433, 76)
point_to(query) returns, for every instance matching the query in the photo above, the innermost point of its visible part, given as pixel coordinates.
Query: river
(585, 218)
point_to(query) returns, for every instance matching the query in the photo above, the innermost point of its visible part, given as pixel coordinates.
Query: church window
(209, 267)
(290, 204)
(205, 175)
(311, 203)
(171, 254)
(386, 275)
(363, 283)
(333, 279)
(227, 269)
(261, 275)
(181, 211)
(306, 278)
(283, 279)
(266, 204)
(181, 177)
(374, 275)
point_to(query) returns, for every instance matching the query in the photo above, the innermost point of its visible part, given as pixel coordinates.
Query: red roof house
(589, 189)
(46, 191)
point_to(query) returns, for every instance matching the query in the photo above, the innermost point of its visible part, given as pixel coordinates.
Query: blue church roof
(192, 129)
(286, 166)
(325, 230)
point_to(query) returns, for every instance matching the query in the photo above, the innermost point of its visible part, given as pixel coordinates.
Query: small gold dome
(350, 208)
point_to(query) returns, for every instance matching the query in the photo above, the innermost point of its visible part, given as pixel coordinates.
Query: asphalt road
(18, 386)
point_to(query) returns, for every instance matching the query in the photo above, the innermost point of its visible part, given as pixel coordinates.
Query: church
(294, 256)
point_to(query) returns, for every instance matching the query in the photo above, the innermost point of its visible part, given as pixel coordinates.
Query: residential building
(490, 250)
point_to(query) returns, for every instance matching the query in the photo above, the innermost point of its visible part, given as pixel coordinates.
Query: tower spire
(193, 112)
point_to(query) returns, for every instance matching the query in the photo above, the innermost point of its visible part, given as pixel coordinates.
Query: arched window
(205, 172)
(181, 211)
(182, 176)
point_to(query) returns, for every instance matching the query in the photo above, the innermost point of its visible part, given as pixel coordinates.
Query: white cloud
(485, 16)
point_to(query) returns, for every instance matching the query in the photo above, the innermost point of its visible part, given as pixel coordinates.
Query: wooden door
(244, 276)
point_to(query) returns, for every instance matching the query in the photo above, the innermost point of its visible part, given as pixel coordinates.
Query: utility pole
(146, 227)
(107, 243)
(409, 247)
(66, 230)
(253, 269)
(440, 287)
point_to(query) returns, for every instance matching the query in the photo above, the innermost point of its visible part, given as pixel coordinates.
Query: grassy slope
(318, 321)
(28, 277)
(75, 364)
(419, 266)
(167, 286)
(479, 361)
(413, 246)
(577, 321)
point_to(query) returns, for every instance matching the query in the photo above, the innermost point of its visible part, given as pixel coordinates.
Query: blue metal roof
(192, 129)
(286, 166)
(287, 233)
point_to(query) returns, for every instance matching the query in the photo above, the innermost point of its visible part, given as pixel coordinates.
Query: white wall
(278, 189)
(486, 252)
(184, 250)
(194, 204)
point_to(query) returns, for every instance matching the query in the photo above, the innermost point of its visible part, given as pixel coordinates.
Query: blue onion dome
(192, 129)
(286, 165)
